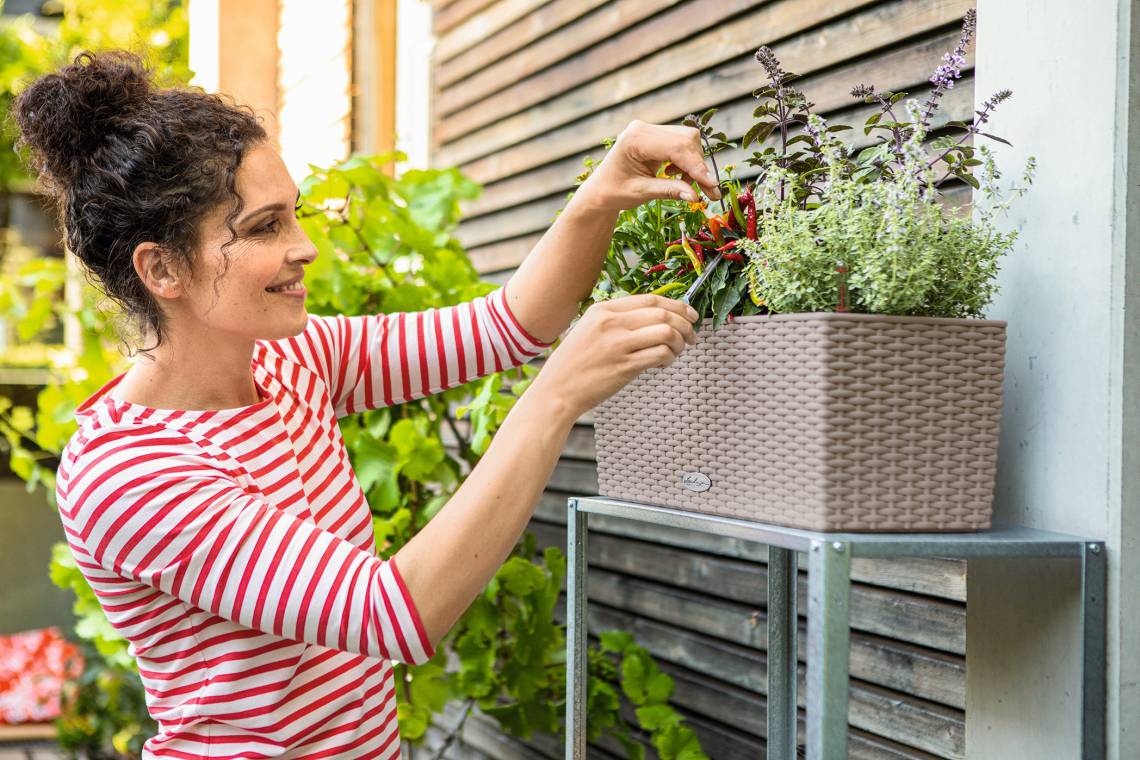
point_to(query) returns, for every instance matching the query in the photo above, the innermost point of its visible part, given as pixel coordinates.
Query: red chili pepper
(656, 268)
(731, 256)
(727, 246)
(748, 203)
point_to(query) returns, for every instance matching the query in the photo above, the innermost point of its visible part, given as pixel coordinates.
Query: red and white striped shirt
(234, 548)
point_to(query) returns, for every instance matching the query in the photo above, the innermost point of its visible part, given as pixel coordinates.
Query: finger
(648, 300)
(686, 155)
(655, 335)
(684, 177)
(655, 356)
(648, 189)
(679, 174)
(635, 320)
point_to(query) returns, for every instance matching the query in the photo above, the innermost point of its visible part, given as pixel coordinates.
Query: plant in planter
(854, 386)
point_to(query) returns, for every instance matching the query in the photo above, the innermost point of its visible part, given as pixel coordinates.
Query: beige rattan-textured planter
(822, 421)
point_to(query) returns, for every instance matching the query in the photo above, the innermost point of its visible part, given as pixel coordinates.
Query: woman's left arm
(561, 270)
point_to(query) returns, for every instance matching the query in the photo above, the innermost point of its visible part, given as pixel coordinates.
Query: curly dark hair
(131, 162)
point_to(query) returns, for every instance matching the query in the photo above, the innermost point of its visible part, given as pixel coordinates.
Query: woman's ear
(157, 270)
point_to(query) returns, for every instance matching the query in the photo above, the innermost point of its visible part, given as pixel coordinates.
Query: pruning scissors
(704, 275)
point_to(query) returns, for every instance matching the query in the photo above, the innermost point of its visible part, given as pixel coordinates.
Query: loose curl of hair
(131, 162)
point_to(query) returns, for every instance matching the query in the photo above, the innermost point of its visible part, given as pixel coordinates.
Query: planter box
(822, 421)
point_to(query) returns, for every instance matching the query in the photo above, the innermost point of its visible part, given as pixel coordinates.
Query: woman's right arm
(456, 554)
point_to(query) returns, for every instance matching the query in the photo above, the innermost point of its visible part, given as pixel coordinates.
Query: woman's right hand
(611, 344)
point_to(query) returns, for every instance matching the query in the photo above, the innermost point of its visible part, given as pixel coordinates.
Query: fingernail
(692, 313)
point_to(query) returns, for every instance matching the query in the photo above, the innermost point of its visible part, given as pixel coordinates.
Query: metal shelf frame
(828, 631)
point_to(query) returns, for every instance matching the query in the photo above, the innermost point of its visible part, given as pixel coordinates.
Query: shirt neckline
(103, 395)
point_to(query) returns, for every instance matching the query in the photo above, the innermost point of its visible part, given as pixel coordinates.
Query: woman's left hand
(627, 177)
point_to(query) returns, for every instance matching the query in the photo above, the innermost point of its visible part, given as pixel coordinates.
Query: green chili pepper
(736, 213)
(693, 257)
(754, 287)
(668, 288)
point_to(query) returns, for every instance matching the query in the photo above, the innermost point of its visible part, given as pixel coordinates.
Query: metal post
(576, 673)
(782, 629)
(1093, 591)
(829, 643)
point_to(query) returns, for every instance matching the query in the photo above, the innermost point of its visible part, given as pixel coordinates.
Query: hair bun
(64, 117)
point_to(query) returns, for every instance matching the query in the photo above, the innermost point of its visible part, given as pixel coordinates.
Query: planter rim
(804, 316)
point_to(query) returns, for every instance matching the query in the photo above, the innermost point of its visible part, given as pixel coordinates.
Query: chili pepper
(736, 213)
(692, 241)
(733, 256)
(748, 203)
(727, 246)
(754, 288)
(656, 268)
(694, 256)
(716, 225)
(668, 288)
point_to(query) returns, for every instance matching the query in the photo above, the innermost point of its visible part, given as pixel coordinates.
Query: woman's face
(260, 294)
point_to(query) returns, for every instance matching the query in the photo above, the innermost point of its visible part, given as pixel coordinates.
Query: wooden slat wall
(524, 90)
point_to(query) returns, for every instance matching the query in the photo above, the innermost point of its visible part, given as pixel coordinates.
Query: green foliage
(29, 47)
(107, 714)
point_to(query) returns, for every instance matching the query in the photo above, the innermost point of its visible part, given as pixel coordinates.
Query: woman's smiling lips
(291, 288)
(296, 292)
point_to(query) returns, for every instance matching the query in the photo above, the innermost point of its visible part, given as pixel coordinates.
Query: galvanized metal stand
(829, 558)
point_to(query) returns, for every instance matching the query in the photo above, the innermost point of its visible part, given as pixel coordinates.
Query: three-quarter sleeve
(162, 514)
(385, 359)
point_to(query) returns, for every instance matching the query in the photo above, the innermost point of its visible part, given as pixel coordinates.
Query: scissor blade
(692, 291)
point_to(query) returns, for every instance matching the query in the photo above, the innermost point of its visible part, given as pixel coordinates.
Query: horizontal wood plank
(512, 84)
(609, 101)
(516, 48)
(450, 13)
(830, 91)
(493, 19)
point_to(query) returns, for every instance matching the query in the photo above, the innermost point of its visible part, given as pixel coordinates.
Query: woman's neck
(196, 375)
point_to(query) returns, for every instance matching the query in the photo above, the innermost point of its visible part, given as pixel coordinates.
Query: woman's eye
(270, 226)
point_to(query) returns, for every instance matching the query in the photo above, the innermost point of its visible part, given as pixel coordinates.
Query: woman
(207, 494)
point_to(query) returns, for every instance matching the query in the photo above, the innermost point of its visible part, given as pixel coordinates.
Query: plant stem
(464, 445)
(712, 156)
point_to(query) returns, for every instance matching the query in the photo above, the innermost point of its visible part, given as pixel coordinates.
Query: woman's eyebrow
(268, 207)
